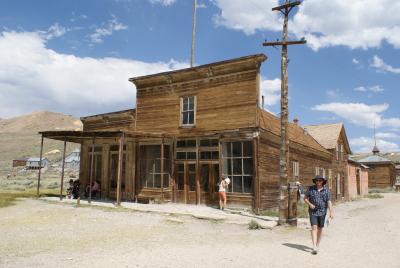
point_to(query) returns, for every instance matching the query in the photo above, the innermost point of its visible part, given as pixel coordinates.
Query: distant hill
(39, 121)
(19, 136)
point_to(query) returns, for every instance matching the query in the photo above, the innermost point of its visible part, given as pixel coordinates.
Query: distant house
(21, 162)
(73, 159)
(333, 138)
(33, 163)
(357, 179)
(382, 170)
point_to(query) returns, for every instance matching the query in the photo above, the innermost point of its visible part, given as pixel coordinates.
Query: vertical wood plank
(91, 171)
(62, 170)
(119, 177)
(162, 170)
(40, 166)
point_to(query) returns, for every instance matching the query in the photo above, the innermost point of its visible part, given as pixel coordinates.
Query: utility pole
(285, 213)
(193, 33)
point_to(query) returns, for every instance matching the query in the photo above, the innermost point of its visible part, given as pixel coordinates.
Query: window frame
(182, 111)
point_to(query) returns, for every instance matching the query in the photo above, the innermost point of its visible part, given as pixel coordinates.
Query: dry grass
(9, 198)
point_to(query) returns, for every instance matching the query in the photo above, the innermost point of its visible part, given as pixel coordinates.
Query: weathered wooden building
(333, 138)
(382, 172)
(189, 128)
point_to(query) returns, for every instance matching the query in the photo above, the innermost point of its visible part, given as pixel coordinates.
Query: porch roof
(79, 136)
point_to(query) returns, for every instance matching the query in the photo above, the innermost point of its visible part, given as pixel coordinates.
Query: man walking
(318, 199)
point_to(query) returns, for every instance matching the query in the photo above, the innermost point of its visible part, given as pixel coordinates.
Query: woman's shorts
(318, 220)
(222, 195)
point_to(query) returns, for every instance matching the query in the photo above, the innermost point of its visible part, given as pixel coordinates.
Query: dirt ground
(36, 233)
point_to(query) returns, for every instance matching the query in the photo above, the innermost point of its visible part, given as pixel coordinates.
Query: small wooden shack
(190, 128)
(382, 172)
(21, 162)
(34, 163)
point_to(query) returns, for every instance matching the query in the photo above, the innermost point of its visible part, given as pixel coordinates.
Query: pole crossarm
(282, 43)
(286, 5)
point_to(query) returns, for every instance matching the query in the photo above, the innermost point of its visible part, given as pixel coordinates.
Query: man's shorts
(318, 220)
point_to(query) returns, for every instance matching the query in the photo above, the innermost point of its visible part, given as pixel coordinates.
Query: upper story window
(295, 169)
(339, 151)
(188, 111)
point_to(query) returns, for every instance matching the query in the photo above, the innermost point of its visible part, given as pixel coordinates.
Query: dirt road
(39, 234)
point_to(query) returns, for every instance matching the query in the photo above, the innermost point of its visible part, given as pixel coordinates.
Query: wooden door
(358, 182)
(185, 181)
(209, 174)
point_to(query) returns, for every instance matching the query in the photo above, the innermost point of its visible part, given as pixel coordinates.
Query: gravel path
(35, 233)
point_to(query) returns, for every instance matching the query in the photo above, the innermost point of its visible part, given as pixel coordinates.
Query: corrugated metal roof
(374, 159)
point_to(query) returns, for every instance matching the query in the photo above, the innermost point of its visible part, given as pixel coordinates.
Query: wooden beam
(40, 166)
(198, 190)
(62, 170)
(286, 5)
(91, 171)
(120, 157)
(283, 43)
(162, 170)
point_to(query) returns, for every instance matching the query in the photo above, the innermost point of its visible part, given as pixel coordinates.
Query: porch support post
(91, 172)
(198, 190)
(162, 170)
(120, 156)
(40, 166)
(256, 177)
(62, 170)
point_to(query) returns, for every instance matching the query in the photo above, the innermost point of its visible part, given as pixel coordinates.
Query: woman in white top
(222, 187)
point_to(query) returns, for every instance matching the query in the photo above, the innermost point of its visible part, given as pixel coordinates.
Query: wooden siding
(268, 169)
(228, 103)
(110, 121)
(381, 176)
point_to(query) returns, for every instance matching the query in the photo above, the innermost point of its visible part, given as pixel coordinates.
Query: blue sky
(57, 55)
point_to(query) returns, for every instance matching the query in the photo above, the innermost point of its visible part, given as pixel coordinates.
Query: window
(319, 171)
(295, 169)
(237, 159)
(186, 150)
(188, 111)
(338, 184)
(209, 149)
(330, 178)
(150, 166)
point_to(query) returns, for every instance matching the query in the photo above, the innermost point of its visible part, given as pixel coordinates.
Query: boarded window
(150, 166)
(238, 165)
(188, 111)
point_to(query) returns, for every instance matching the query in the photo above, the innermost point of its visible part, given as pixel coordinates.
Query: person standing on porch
(222, 188)
(318, 199)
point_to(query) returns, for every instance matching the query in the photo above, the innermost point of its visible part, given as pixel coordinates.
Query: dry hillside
(19, 136)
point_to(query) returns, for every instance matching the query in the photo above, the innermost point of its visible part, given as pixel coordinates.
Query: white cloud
(163, 2)
(355, 61)
(271, 90)
(54, 31)
(365, 144)
(387, 135)
(247, 16)
(33, 77)
(112, 25)
(375, 89)
(333, 93)
(361, 24)
(380, 65)
(360, 114)
(201, 5)
(361, 89)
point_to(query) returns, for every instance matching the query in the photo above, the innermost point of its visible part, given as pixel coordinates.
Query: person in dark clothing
(75, 189)
(318, 199)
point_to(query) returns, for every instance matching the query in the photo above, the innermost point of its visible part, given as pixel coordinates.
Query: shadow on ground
(299, 247)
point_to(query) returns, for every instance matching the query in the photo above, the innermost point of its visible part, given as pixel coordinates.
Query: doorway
(195, 185)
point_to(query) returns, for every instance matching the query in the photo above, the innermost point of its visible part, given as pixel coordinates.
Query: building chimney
(262, 102)
(296, 121)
